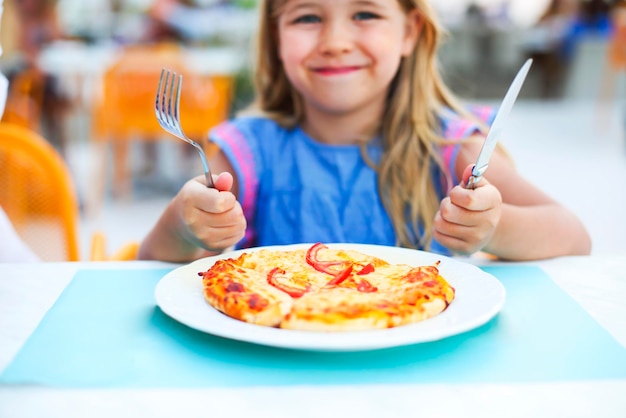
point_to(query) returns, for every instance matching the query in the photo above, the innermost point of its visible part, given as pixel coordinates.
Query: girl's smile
(334, 71)
(341, 55)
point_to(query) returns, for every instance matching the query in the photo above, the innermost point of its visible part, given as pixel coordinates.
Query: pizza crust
(241, 294)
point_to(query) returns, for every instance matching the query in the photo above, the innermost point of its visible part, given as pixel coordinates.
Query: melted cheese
(342, 309)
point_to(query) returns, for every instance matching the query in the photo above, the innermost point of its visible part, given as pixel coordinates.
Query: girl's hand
(210, 218)
(467, 218)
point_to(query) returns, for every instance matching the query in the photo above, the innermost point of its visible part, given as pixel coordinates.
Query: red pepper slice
(328, 267)
(290, 290)
(343, 275)
(366, 287)
(311, 254)
(367, 269)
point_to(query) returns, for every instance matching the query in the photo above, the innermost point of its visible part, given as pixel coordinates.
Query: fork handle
(209, 180)
(207, 172)
(205, 166)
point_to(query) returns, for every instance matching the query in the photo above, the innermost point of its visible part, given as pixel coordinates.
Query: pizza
(324, 289)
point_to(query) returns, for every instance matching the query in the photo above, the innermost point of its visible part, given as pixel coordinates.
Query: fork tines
(167, 108)
(166, 111)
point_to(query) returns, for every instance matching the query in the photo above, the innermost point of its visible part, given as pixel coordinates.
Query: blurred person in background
(160, 27)
(547, 43)
(593, 20)
(192, 20)
(178, 20)
(12, 248)
(35, 99)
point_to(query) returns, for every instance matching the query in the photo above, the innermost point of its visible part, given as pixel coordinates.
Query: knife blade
(482, 162)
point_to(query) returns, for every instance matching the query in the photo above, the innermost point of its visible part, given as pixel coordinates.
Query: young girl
(355, 138)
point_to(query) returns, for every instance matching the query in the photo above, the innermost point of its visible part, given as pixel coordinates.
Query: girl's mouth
(329, 71)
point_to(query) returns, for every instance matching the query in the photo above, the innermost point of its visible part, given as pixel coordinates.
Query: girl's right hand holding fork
(199, 222)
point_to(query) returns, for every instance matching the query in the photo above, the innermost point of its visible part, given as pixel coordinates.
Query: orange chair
(38, 195)
(126, 107)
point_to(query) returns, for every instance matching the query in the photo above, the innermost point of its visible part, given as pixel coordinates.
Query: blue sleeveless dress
(294, 189)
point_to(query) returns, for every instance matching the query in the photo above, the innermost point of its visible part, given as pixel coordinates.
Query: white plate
(479, 297)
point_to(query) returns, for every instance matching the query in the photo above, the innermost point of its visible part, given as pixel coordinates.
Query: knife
(496, 127)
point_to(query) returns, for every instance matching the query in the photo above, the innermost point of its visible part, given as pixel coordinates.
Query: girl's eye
(365, 16)
(307, 19)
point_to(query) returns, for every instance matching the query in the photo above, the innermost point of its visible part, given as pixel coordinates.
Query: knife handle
(473, 181)
(475, 177)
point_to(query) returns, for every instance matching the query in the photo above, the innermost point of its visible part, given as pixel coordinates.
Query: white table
(598, 283)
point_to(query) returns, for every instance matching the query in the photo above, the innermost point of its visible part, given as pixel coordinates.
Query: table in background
(79, 67)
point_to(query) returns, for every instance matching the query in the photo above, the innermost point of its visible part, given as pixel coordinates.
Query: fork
(167, 108)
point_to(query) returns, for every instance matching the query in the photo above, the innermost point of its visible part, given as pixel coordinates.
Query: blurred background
(84, 75)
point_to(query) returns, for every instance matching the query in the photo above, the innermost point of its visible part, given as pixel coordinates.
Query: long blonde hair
(410, 127)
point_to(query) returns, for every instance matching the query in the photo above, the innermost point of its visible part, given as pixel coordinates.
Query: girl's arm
(199, 221)
(506, 215)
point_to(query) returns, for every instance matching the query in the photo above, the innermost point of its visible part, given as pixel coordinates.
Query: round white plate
(479, 297)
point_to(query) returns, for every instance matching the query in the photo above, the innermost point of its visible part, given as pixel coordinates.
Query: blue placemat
(105, 331)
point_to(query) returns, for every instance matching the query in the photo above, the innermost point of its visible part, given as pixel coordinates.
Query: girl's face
(341, 55)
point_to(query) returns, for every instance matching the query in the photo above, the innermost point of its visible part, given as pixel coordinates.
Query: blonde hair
(410, 127)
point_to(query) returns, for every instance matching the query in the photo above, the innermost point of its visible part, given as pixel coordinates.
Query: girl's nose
(335, 38)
